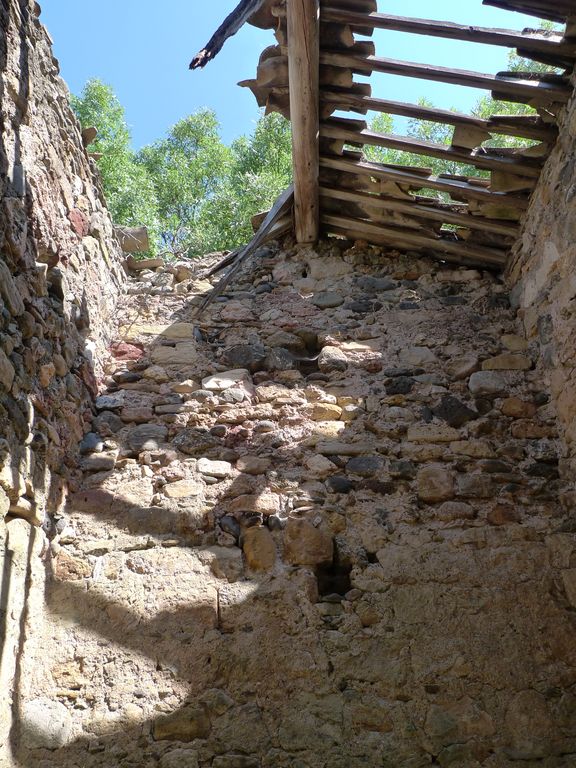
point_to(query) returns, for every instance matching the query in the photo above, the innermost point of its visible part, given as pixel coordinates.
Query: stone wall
(317, 529)
(60, 277)
(543, 276)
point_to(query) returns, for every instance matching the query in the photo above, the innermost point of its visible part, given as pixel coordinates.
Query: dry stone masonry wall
(60, 277)
(320, 527)
(543, 274)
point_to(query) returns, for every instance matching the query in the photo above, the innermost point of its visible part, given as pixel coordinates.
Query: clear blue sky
(142, 49)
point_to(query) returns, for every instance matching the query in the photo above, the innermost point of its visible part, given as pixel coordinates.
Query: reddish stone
(69, 568)
(502, 514)
(80, 223)
(123, 351)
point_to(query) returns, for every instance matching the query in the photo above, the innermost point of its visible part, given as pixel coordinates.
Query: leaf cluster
(194, 193)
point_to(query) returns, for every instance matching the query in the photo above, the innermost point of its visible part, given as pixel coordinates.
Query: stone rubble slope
(320, 526)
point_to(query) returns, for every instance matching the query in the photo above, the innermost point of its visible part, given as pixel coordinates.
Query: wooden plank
(459, 251)
(461, 190)
(479, 158)
(529, 91)
(530, 42)
(231, 24)
(527, 127)
(359, 6)
(543, 10)
(304, 69)
(276, 223)
(334, 207)
(430, 212)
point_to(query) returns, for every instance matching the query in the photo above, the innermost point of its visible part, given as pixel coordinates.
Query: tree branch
(239, 16)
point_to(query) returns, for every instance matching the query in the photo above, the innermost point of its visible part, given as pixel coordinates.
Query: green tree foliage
(187, 168)
(129, 191)
(260, 169)
(193, 193)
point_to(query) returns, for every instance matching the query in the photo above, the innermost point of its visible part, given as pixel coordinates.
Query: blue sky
(142, 49)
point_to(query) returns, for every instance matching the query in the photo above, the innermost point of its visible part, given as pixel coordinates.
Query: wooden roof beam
(441, 214)
(530, 127)
(457, 251)
(558, 10)
(459, 190)
(231, 24)
(531, 42)
(334, 129)
(508, 88)
(304, 75)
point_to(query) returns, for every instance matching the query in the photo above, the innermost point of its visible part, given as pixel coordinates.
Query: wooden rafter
(557, 10)
(231, 24)
(524, 126)
(336, 129)
(537, 91)
(445, 214)
(531, 42)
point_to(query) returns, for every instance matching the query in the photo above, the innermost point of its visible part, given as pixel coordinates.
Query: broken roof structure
(309, 77)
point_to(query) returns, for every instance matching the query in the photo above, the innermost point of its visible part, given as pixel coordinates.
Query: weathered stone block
(147, 437)
(259, 549)
(187, 724)
(9, 292)
(182, 489)
(432, 433)
(306, 545)
(325, 412)
(180, 758)
(7, 371)
(486, 383)
(517, 408)
(435, 483)
(507, 362)
(45, 724)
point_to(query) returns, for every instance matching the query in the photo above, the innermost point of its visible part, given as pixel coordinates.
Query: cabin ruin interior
(318, 512)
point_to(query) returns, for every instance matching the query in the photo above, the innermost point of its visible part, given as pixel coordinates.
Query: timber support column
(304, 72)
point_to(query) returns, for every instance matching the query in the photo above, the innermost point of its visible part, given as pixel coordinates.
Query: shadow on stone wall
(394, 621)
(47, 385)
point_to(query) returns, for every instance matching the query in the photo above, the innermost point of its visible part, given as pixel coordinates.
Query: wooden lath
(470, 216)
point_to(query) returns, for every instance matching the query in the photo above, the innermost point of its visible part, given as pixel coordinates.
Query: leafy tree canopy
(193, 193)
(129, 191)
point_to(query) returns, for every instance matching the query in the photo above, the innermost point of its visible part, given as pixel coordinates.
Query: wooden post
(303, 18)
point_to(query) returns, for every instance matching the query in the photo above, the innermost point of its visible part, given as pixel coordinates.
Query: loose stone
(219, 469)
(507, 362)
(328, 300)
(306, 545)
(182, 489)
(454, 412)
(221, 381)
(435, 483)
(92, 443)
(486, 383)
(365, 466)
(332, 359)
(259, 549)
(147, 437)
(325, 412)
(253, 465)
